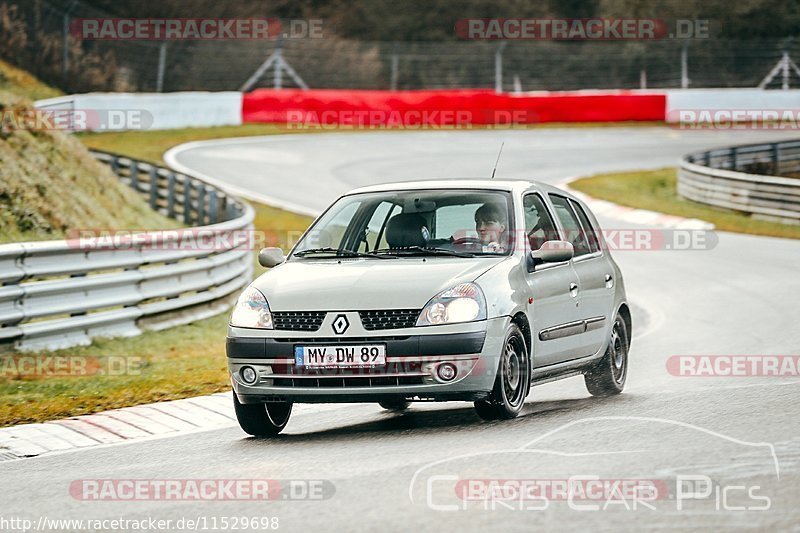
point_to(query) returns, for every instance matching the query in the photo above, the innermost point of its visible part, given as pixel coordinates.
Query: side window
(539, 226)
(591, 232)
(574, 232)
(377, 224)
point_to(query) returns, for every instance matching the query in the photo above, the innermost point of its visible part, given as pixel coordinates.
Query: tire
(262, 419)
(395, 405)
(607, 377)
(512, 384)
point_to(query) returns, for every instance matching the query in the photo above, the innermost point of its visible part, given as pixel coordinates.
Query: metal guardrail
(749, 178)
(55, 294)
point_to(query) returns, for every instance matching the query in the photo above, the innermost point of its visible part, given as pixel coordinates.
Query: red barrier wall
(446, 107)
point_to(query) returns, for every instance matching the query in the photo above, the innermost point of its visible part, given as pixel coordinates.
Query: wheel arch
(625, 312)
(521, 321)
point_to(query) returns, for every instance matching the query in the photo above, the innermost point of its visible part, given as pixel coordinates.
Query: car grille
(390, 375)
(298, 320)
(343, 383)
(389, 319)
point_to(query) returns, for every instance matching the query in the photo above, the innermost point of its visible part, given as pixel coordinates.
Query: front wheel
(608, 376)
(512, 383)
(262, 419)
(395, 405)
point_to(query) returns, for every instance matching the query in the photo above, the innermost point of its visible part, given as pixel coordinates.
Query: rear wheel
(395, 405)
(262, 419)
(512, 383)
(608, 376)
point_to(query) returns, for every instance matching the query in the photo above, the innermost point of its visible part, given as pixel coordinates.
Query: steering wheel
(468, 240)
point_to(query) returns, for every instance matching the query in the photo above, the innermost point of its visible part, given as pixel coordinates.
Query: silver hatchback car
(470, 290)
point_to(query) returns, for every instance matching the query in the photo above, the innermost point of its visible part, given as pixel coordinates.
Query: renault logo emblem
(340, 324)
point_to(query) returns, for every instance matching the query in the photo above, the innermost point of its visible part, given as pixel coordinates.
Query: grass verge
(656, 190)
(158, 365)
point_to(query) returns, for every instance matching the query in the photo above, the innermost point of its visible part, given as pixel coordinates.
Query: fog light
(447, 372)
(248, 375)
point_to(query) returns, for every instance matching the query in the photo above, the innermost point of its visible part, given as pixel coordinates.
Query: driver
(490, 223)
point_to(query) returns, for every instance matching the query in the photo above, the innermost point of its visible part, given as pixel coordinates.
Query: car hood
(366, 284)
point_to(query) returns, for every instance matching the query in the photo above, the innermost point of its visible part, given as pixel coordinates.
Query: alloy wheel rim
(512, 373)
(617, 347)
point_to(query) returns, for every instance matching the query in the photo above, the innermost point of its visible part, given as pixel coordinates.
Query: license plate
(340, 356)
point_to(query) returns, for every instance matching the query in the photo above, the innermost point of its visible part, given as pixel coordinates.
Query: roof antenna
(494, 170)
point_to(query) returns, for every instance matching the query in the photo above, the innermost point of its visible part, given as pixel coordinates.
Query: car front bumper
(413, 357)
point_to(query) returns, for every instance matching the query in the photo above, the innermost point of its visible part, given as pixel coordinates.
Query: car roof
(517, 186)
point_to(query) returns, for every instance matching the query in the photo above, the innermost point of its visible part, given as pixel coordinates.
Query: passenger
(490, 223)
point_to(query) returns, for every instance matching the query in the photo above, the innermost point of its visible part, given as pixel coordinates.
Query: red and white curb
(117, 426)
(129, 424)
(636, 216)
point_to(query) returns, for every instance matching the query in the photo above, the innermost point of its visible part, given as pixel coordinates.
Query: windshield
(399, 223)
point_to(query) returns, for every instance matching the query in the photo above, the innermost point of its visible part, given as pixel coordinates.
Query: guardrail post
(776, 158)
(115, 164)
(171, 195)
(153, 188)
(213, 216)
(187, 200)
(134, 176)
(734, 162)
(201, 203)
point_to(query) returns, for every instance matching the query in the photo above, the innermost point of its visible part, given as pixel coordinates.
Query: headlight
(251, 310)
(462, 303)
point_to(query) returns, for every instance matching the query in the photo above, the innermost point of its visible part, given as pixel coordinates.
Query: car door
(552, 290)
(595, 275)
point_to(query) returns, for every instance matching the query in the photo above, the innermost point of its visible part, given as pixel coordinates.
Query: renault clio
(467, 290)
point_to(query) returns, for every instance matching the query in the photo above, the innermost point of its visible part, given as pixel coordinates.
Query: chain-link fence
(35, 34)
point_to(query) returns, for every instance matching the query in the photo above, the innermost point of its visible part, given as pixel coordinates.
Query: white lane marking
(633, 215)
(171, 158)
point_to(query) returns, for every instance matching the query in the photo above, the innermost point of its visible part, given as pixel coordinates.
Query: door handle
(609, 281)
(573, 290)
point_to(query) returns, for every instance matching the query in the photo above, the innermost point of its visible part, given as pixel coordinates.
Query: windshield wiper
(337, 252)
(421, 250)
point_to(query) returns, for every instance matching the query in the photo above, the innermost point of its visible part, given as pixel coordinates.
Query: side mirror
(271, 257)
(551, 252)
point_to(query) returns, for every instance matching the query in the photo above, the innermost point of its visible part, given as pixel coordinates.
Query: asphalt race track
(735, 441)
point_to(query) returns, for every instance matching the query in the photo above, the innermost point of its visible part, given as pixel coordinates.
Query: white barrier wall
(157, 111)
(729, 100)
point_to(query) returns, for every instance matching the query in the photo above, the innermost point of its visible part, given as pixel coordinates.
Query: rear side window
(539, 225)
(591, 232)
(572, 227)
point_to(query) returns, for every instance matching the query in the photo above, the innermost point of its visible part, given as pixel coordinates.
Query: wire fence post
(278, 73)
(65, 45)
(498, 68)
(685, 65)
(162, 65)
(395, 60)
